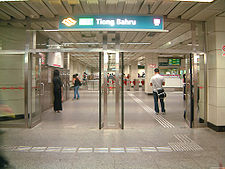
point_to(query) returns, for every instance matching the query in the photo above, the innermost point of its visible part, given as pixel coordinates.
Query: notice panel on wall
(112, 23)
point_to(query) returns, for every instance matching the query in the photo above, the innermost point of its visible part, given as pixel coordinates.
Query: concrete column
(151, 62)
(126, 70)
(216, 71)
(134, 70)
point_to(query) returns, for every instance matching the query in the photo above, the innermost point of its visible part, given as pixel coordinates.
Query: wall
(216, 71)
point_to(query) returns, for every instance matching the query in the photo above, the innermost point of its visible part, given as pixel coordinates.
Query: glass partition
(12, 93)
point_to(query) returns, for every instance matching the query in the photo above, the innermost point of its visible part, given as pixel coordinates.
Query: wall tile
(220, 24)
(212, 77)
(210, 25)
(211, 38)
(221, 97)
(220, 59)
(220, 39)
(220, 77)
(221, 116)
(212, 98)
(212, 114)
(211, 56)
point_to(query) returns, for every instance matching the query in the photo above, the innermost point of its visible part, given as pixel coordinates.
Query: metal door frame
(102, 121)
(193, 92)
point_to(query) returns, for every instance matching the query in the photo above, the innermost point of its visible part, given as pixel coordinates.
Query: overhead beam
(90, 50)
(56, 18)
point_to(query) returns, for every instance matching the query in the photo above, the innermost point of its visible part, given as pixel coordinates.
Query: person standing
(157, 81)
(58, 92)
(77, 83)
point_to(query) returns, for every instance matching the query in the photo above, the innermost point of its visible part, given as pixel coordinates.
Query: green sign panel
(174, 62)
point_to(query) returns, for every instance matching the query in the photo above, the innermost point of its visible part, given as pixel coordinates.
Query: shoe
(164, 113)
(78, 98)
(156, 113)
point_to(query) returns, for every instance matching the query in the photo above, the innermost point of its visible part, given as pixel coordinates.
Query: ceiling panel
(67, 6)
(8, 9)
(130, 36)
(178, 40)
(171, 35)
(222, 14)
(194, 10)
(140, 36)
(165, 7)
(181, 8)
(144, 9)
(77, 35)
(128, 7)
(102, 6)
(34, 26)
(112, 6)
(77, 9)
(215, 8)
(45, 25)
(41, 8)
(4, 16)
(137, 7)
(155, 6)
(85, 6)
(56, 7)
(25, 9)
(204, 15)
(94, 8)
(18, 25)
(54, 24)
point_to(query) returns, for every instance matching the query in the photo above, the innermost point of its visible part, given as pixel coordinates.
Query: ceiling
(43, 14)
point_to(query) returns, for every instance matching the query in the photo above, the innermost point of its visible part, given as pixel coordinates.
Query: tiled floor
(76, 128)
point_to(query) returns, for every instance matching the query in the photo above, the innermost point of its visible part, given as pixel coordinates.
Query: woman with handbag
(77, 84)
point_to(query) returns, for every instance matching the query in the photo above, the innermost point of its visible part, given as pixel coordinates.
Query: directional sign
(111, 23)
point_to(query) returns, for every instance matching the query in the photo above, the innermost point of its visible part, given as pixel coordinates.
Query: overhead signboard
(112, 23)
(173, 62)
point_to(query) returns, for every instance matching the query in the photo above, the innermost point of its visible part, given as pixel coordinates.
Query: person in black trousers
(58, 92)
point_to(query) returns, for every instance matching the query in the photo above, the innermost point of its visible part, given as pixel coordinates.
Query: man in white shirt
(157, 81)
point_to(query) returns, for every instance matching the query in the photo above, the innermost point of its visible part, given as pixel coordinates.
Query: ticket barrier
(136, 84)
(143, 84)
(127, 84)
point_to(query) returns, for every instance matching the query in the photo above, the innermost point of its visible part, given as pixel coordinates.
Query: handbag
(161, 93)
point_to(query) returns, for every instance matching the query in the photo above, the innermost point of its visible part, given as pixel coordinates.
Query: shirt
(157, 81)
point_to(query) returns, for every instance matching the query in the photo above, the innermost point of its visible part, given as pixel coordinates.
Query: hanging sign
(112, 23)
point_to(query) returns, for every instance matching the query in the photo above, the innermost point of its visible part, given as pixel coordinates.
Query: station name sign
(111, 23)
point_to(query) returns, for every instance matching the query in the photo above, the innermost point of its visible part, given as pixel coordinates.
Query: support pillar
(151, 62)
(216, 70)
(134, 70)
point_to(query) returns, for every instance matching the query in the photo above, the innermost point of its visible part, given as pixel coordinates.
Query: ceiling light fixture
(110, 43)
